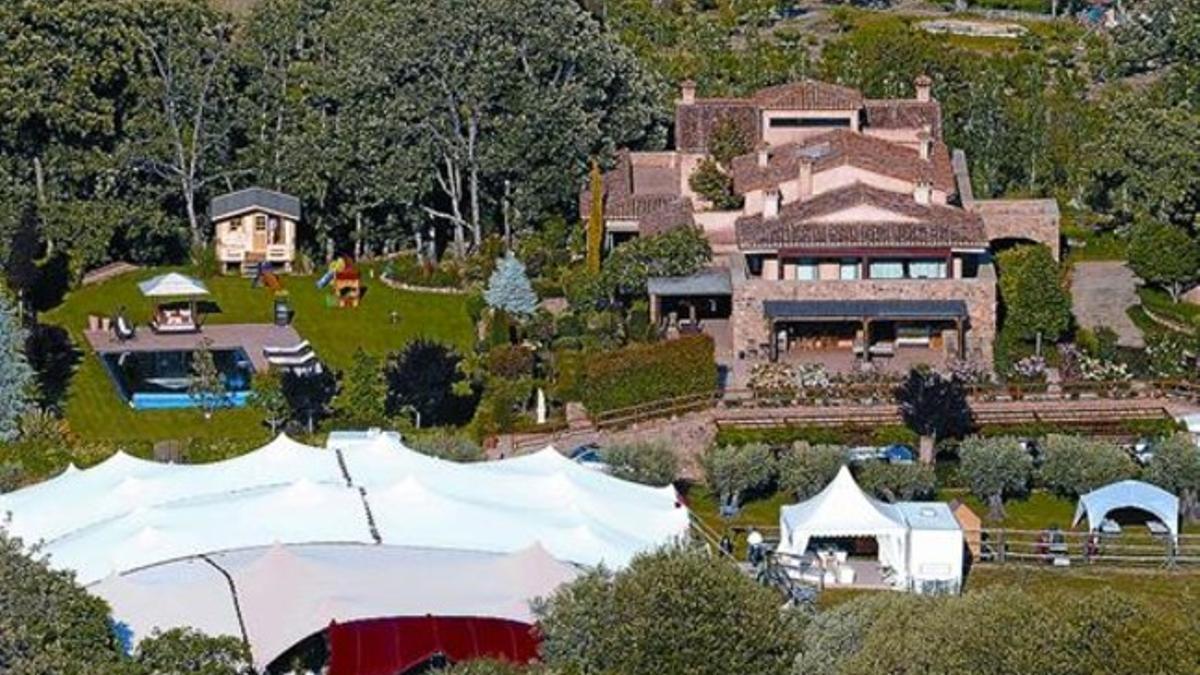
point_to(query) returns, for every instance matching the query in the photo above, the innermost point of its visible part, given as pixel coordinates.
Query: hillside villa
(859, 238)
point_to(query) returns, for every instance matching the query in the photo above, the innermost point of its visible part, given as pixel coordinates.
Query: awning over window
(815, 310)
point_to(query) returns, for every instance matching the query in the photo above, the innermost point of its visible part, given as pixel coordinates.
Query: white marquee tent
(127, 513)
(920, 541)
(1152, 499)
(842, 509)
(286, 593)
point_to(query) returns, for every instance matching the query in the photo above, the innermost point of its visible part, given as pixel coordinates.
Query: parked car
(862, 453)
(898, 453)
(589, 455)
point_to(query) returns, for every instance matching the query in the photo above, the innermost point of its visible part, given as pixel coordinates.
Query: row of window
(809, 269)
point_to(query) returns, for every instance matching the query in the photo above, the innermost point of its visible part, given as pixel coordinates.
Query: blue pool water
(159, 380)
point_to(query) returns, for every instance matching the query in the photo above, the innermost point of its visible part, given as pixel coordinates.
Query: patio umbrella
(173, 285)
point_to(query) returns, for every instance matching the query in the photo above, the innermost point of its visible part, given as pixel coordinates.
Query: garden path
(1101, 292)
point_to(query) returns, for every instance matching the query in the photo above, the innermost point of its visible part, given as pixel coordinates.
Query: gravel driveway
(1101, 292)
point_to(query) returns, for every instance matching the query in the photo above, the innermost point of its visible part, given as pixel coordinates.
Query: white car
(862, 453)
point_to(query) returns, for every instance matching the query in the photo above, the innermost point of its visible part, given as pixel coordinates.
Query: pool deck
(251, 337)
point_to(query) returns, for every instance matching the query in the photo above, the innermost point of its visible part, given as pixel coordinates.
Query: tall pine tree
(595, 221)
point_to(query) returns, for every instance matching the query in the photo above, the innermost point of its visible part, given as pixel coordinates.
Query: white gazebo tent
(174, 285)
(842, 509)
(1098, 503)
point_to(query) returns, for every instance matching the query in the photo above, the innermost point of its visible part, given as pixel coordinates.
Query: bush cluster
(641, 373)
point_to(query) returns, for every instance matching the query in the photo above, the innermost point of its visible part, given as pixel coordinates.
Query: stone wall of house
(751, 328)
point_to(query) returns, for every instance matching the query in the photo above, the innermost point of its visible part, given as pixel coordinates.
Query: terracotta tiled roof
(676, 213)
(903, 114)
(694, 122)
(797, 225)
(808, 95)
(633, 207)
(843, 147)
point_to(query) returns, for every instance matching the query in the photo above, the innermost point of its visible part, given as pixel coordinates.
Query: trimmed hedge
(845, 435)
(644, 373)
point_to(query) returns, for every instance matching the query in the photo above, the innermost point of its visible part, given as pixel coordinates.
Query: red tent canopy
(394, 645)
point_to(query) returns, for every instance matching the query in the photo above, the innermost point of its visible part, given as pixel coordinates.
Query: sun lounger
(293, 360)
(294, 350)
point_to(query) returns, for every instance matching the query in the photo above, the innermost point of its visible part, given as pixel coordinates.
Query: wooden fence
(789, 409)
(1061, 548)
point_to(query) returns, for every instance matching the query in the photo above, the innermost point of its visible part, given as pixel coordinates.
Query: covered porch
(700, 303)
(904, 332)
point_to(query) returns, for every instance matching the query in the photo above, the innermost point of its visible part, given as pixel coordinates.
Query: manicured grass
(1159, 301)
(96, 412)
(1090, 245)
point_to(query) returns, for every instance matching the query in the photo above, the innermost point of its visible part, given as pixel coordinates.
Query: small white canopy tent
(842, 509)
(1097, 504)
(173, 285)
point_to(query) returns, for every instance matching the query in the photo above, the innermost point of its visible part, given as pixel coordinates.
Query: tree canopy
(673, 611)
(995, 468)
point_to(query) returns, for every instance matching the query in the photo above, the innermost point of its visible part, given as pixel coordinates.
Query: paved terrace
(250, 337)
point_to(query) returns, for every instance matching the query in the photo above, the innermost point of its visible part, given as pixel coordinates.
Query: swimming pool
(158, 380)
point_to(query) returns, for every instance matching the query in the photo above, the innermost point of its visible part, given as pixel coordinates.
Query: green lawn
(95, 412)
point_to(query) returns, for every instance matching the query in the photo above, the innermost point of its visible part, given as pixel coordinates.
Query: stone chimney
(925, 143)
(771, 205)
(764, 154)
(805, 177)
(923, 85)
(687, 92)
(923, 193)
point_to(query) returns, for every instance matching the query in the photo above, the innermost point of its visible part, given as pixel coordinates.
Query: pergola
(865, 312)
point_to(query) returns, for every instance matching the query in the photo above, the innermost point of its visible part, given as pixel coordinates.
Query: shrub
(1072, 465)
(805, 470)
(781, 437)
(642, 373)
(448, 445)
(898, 482)
(995, 468)
(713, 184)
(407, 269)
(362, 400)
(567, 367)
(734, 470)
(672, 611)
(510, 361)
(422, 377)
(501, 405)
(647, 463)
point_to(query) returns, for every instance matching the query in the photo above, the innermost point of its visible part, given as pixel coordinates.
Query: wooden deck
(250, 337)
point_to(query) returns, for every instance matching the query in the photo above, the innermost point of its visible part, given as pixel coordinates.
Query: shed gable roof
(253, 198)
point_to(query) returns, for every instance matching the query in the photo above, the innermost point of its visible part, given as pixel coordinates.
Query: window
(260, 223)
(927, 269)
(806, 270)
(754, 265)
(807, 122)
(848, 270)
(887, 269)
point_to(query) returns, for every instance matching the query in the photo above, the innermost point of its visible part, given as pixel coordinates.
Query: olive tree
(934, 407)
(648, 463)
(898, 482)
(995, 468)
(733, 470)
(806, 469)
(1176, 468)
(1073, 465)
(672, 611)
